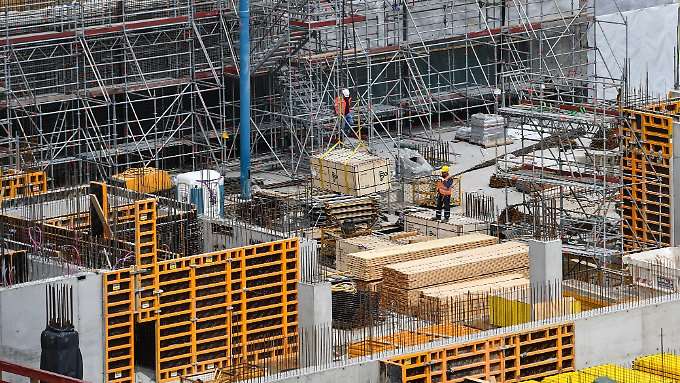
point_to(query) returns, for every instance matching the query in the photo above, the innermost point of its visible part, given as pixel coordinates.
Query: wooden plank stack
(403, 282)
(371, 242)
(358, 244)
(467, 301)
(353, 172)
(368, 265)
(424, 223)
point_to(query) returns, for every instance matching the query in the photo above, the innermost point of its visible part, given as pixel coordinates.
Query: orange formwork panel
(119, 318)
(222, 309)
(15, 183)
(646, 165)
(531, 354)
(211, 311)
(146, 268)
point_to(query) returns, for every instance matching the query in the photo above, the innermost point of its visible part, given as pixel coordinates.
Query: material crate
(353, 172)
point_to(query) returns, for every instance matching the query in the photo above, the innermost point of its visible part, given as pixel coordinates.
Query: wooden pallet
(368, 265)
(402, 282)
(525, 355)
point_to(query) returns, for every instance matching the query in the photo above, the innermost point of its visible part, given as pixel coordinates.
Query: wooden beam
(94, 203)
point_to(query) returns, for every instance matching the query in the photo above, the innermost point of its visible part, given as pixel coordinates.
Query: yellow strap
(345, 167)
(356, 107)
(321, 181)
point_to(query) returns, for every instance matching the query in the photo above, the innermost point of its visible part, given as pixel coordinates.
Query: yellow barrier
(505, 312)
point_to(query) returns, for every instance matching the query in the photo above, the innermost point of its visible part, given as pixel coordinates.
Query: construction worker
(444, 190)
(343, 108)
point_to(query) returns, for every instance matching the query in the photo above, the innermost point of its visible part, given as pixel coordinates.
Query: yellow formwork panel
(504, 312)
(211, 311)
(119, 318)
(664, 365)
(622, 375)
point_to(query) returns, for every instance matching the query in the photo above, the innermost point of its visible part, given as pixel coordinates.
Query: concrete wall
(618, 337)
(221, 234)
(22, 320)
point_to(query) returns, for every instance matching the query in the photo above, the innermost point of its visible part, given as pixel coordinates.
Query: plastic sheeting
(606, 7)
(651, 42)
(60, 352)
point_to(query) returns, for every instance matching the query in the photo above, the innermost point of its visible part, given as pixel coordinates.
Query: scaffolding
(568, 125)
(92, 88)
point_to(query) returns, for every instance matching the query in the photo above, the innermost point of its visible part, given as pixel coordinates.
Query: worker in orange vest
(343, 108)
(444, 191)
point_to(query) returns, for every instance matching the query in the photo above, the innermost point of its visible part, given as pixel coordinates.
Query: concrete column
(545, 262)
(315, 319)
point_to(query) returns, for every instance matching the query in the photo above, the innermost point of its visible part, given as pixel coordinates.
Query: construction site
(339, 191)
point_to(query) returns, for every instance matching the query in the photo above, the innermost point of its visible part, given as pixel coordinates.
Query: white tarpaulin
(605, 7)
(651, 43)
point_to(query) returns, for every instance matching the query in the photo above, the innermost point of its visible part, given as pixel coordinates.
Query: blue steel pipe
(244, 92)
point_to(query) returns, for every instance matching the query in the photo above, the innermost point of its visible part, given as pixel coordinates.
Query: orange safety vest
(341, 105)
(443, 190)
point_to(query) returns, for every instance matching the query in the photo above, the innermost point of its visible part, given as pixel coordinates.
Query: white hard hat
(345, 92)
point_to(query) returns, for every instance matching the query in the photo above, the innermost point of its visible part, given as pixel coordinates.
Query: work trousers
(443, 203)
(348, 121)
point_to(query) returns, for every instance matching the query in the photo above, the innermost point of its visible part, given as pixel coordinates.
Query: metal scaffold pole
(244, 90)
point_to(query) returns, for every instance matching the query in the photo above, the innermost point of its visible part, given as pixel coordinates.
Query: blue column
(244, 91)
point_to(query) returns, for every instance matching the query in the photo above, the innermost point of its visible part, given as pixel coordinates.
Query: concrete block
(545, 262)
(315, 321)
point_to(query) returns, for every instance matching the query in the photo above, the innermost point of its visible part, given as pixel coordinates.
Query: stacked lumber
(424, 223)
(372, 242)
(346, 246)
(408, 237)
(467, 301)
(403, 282)
(368, 265)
